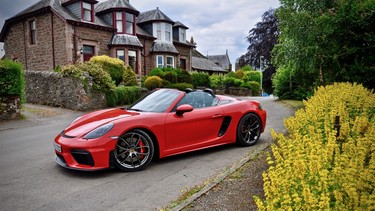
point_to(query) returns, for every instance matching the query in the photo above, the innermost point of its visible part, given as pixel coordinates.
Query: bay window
(159, 61)
(170, 61)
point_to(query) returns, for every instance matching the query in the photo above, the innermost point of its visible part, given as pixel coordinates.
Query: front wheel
(248, 130)
(134, 151)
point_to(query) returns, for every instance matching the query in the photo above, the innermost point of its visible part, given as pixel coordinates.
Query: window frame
(32, 27)
(157, 61)
(85, 9)
(167, 63)
(117, 54)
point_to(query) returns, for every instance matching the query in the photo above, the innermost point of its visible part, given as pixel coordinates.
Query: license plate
(57, 147)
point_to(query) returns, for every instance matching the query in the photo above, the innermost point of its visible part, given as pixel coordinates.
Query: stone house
(52, 33)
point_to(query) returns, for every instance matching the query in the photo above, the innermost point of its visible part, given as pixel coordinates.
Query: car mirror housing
(183, 109)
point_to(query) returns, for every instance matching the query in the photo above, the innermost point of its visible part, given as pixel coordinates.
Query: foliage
(247, 68)
(231, 75)
(123, 95)
(216, 81)
(157, 72)
(101, 79)
(129, 77)
(232, 82)
(253, 76)
(327, 41)
(181, 86)
(184, 77)
(262, 39)
(240, 74)
(12, 79)
(254, 86)
(153, 82)
(200, 79)
(115, 67)
(314, 169)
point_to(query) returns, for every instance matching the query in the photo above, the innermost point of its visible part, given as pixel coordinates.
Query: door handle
(216, 115)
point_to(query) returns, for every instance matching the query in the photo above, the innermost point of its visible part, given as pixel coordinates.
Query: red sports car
(164, 123)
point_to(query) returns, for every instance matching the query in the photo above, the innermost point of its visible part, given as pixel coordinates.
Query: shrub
(153, 82)
(200, 79)
(12, 79)
(115, 67)
(314, 167)
(129, 78)
(181, 86)
(230, 75)
(183, 76)
(170, 76)
(254, 86)
(239, 74)
(253, 76)
(216, 81)
(232, 82)
(123, 95)
(101, 79)
(157, 72)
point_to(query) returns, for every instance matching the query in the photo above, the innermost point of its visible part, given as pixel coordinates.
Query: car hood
(90, 121)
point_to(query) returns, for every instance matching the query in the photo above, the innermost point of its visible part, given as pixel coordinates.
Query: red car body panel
(173, 134)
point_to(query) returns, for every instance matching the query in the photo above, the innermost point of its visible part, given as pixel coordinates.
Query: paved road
(30, 179)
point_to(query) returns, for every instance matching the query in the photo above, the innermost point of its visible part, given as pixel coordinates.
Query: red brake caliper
(142, 149)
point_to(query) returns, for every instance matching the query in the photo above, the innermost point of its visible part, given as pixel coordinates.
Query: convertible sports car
(166, 122)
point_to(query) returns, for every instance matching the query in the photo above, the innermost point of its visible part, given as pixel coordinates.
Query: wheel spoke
(122, 153)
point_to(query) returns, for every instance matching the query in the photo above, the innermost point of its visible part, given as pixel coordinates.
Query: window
(182, 35)
(87, 11)
(120, 54)
(170, 61)
(119, 22)
(168, 31)
(129, 23)
(32, 32)
(132, 56)
(158, 31)
(159, 61)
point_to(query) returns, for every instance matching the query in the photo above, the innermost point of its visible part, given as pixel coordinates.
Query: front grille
(82, 157)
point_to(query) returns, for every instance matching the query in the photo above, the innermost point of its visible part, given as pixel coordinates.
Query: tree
(326, 41)
(262, 39)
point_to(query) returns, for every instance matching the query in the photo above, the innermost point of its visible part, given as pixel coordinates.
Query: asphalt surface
(30, 179)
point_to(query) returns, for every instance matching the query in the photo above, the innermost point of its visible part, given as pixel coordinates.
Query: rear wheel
(248, 130)
(134, 151)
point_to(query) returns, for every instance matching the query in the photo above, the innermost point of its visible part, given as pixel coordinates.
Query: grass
(296, 104)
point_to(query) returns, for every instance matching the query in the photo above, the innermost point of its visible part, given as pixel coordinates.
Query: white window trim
(157, 61)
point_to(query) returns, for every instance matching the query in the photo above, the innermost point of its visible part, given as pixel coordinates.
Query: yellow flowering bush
(316, 168)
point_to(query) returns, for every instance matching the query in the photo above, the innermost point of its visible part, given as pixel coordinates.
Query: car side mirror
(183, 109)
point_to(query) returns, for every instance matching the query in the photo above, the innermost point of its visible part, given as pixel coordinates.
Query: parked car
(164, 123)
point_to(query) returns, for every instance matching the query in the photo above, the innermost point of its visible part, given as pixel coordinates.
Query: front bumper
(86, 155)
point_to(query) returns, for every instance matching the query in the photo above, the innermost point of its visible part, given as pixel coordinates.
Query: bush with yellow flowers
(314, 167)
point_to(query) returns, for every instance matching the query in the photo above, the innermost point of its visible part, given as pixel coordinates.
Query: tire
(134, 151)
(248, 130)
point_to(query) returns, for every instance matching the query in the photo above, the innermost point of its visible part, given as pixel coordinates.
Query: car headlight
(100, 131)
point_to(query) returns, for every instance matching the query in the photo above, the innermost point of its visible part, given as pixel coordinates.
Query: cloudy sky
(216, 25)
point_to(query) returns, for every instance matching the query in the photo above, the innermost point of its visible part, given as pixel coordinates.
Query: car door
(194, 129)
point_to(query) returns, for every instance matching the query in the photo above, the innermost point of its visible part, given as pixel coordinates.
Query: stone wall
(239, 91)
(10, 108)
(49, 88)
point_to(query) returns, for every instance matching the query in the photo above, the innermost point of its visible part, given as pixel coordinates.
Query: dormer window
(182, 35)
(87, 11)
(163, 31)
(124, 23)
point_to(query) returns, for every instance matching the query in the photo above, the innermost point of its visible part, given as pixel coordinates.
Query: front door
(88, 52)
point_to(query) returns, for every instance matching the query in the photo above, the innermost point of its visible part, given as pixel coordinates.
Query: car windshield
(158, 101)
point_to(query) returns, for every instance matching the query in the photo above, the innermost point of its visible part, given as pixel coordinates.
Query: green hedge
(115, 67)
(200, 79)
(12, 79)
(123, 95)
(181, 86)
